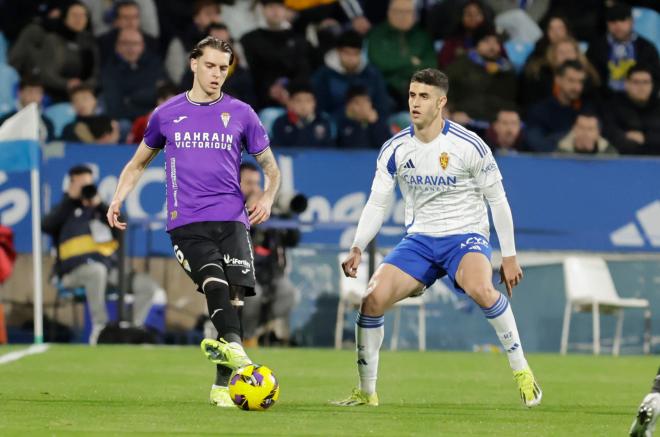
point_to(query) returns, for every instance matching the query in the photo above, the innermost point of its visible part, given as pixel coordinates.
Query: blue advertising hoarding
(558, 203)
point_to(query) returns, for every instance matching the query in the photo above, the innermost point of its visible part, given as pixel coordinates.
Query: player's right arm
(373, 214)
(129, 177)
(153, 142)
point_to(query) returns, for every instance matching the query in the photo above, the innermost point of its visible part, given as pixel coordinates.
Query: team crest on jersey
(225, 118)
(444, 160)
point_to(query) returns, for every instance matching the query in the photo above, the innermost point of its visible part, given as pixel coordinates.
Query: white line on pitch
(17, 355)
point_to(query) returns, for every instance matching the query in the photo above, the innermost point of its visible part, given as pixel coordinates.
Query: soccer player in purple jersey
(204, 132)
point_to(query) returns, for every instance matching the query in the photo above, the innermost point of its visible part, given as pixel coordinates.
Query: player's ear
(193, 65)
(442, 101)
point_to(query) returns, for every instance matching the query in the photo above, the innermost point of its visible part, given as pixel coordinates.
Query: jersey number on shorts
(181, 258)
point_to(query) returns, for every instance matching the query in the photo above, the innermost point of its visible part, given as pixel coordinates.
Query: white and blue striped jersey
(440, 181)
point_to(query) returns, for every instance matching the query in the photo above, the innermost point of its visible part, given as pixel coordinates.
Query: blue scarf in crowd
(621, 59)
(491, 67)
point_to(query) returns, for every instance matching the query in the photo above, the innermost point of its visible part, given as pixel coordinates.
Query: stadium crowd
(529, 76)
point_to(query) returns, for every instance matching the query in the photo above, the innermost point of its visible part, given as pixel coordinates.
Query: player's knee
(211, 276)
(373, 304)
(482, 292)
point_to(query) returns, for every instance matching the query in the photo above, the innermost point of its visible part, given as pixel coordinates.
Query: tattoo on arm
(268, 164)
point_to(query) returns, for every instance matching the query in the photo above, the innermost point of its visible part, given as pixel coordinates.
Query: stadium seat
(518, 52)
(647, 24)
(584, 46)
(351, 291)
(8, 85)
(398, 121)
(589, 288)
(60, 114)
(3, 48)
(268, 117)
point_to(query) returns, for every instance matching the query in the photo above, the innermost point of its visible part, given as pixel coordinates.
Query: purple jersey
(203, 144)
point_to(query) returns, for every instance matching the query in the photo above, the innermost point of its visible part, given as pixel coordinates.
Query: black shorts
(225, 243)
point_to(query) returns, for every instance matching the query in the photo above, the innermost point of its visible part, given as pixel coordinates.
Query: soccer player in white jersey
(446, 175)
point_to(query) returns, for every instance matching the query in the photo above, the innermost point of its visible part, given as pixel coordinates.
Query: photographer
(275, 296)
(87, 250)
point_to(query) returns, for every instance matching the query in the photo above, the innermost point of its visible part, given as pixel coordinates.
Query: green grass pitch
(120, 390)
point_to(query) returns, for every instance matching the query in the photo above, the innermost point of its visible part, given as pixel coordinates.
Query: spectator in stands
(87, 250)
(126, 15)
(472, 17)
(25, 51)
(399, 47)
(632, 118)
(275, 54)
(360, 126)
(31, 90)
(538, 77)
(615, 53)
(302, 126)
(69, 56)
(322, 21)
(89, 127)
(505, 134)
(482, 80)
(555, 29)
(205, 13)
(585, 137)
(276, 295)
(346, 67)
(17, 16)
(164, 92)
(97, 129)
(83, 99)
(130, 78)
(346, 12)
(550, 119)
(239, 82)
(585, 17)
(104, 14)
(446, 19)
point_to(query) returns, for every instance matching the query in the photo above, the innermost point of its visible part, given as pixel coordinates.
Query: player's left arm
(510, 271)
(489, 180)
(260, 207)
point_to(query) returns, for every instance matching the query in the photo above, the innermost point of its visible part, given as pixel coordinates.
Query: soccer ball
(254, 388)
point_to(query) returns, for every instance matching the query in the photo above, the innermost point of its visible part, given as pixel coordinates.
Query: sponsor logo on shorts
(475, 243)
(235, 262)
(477, 240)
